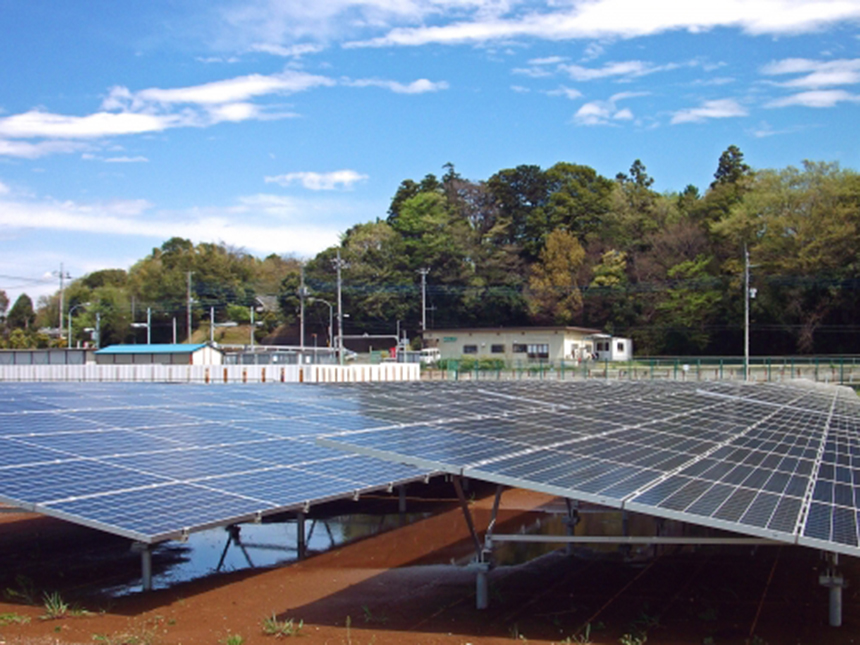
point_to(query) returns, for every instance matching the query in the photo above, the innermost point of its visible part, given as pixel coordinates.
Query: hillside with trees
(529, 246)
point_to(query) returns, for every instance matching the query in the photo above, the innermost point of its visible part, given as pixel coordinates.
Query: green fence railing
(828, 369)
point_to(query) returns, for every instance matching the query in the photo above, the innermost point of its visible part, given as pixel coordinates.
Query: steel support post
(301, 546)
(571, 522)
(482, 586)
(834, 582)
(145, 551)
(401, 499)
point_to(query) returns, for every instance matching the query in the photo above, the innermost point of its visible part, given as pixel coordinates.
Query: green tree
(802, 228)
(554, 295)
(21, 315)
(690, 306)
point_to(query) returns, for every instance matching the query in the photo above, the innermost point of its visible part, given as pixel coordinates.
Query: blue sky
(274, 125)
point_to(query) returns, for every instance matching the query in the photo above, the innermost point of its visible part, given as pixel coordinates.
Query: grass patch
(13, 619)
(277, 628)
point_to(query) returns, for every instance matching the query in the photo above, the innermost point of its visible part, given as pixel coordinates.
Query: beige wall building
(514, 344)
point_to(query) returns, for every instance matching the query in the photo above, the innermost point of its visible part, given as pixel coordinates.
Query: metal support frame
(145, 551)
(301, 542)
(401, 499)
(483, 561)
(832, 579)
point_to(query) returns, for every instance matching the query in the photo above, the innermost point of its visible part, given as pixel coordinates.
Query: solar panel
(774, 461)
(152, 461)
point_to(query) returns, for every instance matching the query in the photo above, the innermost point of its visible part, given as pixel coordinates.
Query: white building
(612, 348)
(164, 354)
(513, 344)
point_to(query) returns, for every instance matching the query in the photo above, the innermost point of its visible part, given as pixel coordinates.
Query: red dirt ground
(389, 590)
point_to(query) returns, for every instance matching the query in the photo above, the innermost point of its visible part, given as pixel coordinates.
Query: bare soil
(398, 588)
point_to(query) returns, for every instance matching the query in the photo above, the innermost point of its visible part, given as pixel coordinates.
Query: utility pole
(302, 311)
(98, 337)
(746, 313)
(339, 265)
(149, 325)
(253, 327)
(423, 273)
(188, 304)
(63, 276)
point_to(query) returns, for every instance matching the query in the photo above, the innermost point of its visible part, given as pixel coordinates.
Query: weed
(370, 618)
(581, 638)
(232, 639)
(55, 606)
(756, 640)
(25, 590)
(709, 615)
(277, 628)
(633, 638)
(645, 621)
(514, 631)
(13, 619)
(143, 636)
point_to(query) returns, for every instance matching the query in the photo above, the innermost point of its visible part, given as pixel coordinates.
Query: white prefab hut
(162, 354)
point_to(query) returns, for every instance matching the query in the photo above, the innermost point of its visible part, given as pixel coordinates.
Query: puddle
(259, 545)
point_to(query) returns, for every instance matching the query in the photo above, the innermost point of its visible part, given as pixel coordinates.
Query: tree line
(532, 246)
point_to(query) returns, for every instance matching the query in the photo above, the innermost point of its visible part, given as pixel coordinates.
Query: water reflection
(248, 546)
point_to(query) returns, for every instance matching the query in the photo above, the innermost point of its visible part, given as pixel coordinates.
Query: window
(470, 349)
(619, 347)
(497, 349)
(538, 350)
(520, 349)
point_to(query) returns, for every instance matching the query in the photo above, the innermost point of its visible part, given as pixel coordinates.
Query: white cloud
(816, 99)
(421, 86)
(567, 92)
(151, 110)
(520, 89)
(231, 90)
(625, 70)
(716, 109)
(36, 123)
(605, 112)
(533, 72)
(137, 159)
(550, 60)
(262, 224)
(293, 51)
(604, 19)
(4, 189)
(319, 181)
(26, 150)
(815, 74)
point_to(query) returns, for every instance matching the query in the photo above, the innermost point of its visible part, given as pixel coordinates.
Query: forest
(526, 246)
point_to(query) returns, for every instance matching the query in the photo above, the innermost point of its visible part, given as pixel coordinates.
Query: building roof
(166, 348)
(489, 330)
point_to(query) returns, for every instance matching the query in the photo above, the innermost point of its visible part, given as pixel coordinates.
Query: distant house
(167, 354)
(612, 348)
(513, 344)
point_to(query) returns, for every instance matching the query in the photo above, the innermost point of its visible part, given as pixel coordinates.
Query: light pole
(213, 325)
(147, 324)
(71, 309)
(330, 317)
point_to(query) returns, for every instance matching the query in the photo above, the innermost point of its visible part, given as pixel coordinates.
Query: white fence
(212, 373)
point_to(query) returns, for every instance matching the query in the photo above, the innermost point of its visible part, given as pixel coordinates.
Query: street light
(330, 317)
(147, 324)
(213, 325)
(80, 304)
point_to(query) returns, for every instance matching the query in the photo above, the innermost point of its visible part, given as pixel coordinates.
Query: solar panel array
(774, 461)
(151, 462)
